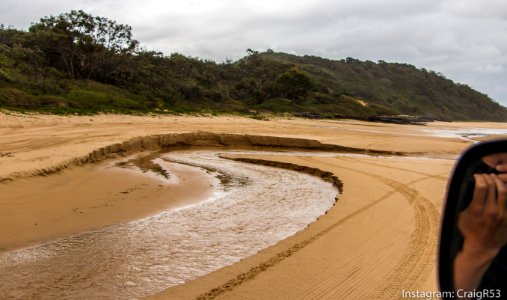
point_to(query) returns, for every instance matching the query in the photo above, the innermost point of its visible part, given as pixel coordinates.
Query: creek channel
(252, 207)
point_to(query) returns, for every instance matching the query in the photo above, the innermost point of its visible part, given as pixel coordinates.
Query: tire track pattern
(416, 263)
(412, 269)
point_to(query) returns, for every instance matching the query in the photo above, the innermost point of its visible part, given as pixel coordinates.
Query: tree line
(76, 62)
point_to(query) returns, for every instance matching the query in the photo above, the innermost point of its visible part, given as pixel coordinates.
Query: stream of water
(252, 208)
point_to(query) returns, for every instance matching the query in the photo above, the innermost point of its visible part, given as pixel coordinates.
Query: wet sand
(378, 239)
(90, 197)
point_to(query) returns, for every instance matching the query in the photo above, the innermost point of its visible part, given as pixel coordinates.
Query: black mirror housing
(459, 195)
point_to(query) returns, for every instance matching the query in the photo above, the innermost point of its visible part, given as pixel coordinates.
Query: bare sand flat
(378, 239)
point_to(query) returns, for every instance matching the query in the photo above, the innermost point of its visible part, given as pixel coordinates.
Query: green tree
(85, 46)
(293, 84)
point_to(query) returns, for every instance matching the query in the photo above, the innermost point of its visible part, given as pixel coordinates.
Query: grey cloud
(21, 14)
(488, 9)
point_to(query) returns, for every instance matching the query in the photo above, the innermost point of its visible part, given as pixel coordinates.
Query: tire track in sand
(412, 269)
(417, 262)
(443, 177)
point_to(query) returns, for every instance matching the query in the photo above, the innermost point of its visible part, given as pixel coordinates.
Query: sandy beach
(380, 237)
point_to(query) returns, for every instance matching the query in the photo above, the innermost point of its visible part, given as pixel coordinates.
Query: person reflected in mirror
(483, 227)
(497, 161)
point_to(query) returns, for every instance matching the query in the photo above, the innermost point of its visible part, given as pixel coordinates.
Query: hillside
(77, 63)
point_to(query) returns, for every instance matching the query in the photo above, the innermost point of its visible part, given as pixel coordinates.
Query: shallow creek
(252, 207)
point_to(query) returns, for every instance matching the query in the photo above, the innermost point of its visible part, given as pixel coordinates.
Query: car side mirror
(473, 256)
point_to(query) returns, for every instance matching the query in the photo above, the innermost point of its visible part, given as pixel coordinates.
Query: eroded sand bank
(379, 239)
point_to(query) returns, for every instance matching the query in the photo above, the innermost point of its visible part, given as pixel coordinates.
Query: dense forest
(79, 63)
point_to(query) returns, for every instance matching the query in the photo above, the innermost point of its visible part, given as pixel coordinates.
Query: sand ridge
(196, 139)
(30, 141)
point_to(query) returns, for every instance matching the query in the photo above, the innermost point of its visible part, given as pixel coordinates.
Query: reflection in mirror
(478, 246)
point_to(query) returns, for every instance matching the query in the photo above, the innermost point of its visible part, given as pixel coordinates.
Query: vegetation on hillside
(76, 62)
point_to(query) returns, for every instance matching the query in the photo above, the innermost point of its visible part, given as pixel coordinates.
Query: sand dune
(379, 239)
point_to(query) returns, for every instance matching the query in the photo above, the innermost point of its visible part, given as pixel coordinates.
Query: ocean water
(468, 134)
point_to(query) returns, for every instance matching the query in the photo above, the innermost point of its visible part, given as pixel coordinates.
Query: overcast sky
(466, 40)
